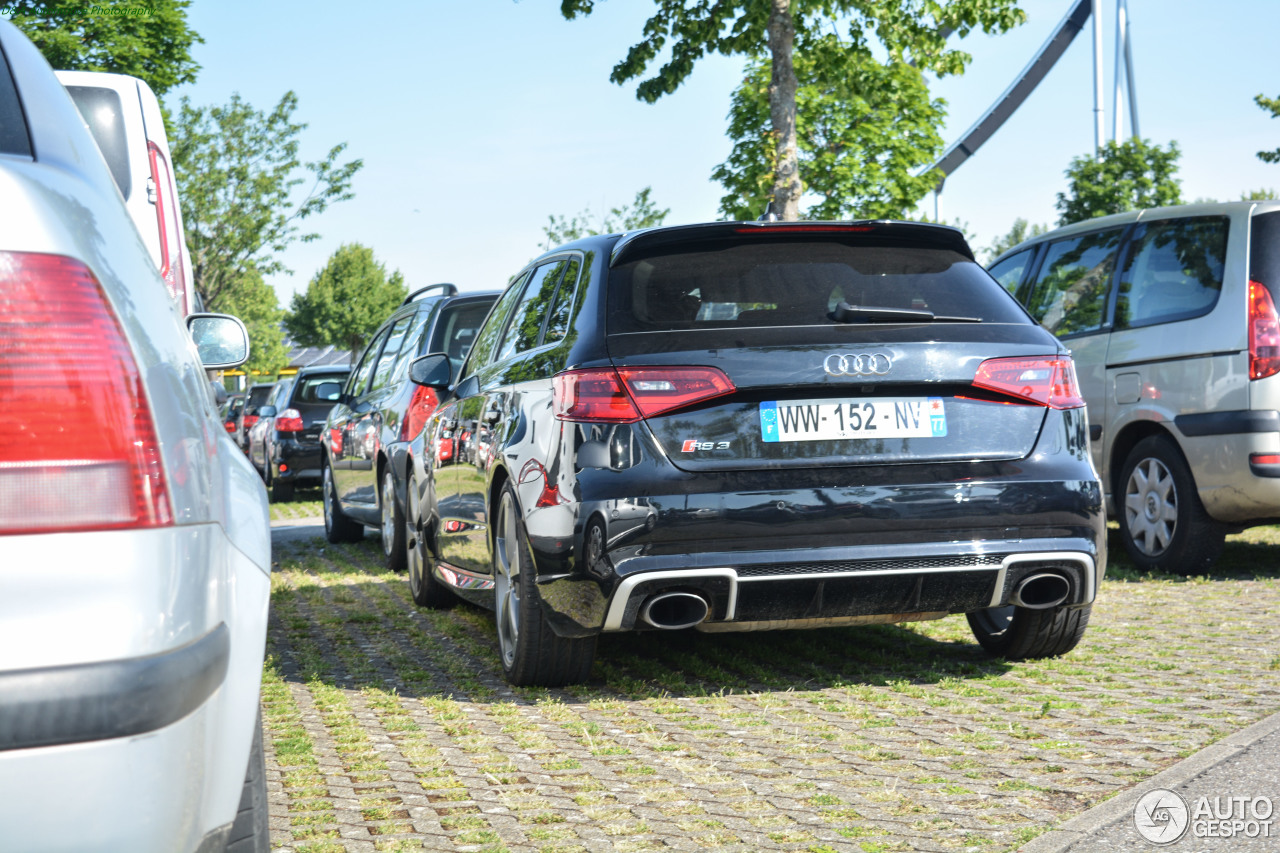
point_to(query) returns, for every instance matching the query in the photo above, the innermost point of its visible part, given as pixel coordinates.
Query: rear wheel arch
(1124, 442)
(500, 478)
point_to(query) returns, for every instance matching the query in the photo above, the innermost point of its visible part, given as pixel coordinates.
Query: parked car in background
(254, 398)
(231, 411)
(747, 426)
(380, 411)
(291, 424)
(1170, 314)
(135, 550)
(255, 436)
(123, 115)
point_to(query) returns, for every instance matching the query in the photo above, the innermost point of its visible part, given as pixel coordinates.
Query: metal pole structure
(1097, 79)
(1117, 115)
(1128, 67)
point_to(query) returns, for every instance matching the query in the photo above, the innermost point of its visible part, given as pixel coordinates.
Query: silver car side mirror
(221, 340)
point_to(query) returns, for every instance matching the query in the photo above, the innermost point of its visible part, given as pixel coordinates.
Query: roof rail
(449, 290)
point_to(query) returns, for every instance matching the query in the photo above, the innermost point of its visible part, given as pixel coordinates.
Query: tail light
(80, 449)
(421, 405)
(249, 421)
(627, 394)
(167, 215)
(1264, 333)
(230, 426)
(1048, 381)
(290, 420)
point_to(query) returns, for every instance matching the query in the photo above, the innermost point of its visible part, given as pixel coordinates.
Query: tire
(423, 586)
(337, 527)
(1017, 633)
(531, 652)
(1163, 525)
(281, 492)
(250, 833)
(392, 527)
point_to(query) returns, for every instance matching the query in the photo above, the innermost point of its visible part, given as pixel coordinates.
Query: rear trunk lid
(763, 305)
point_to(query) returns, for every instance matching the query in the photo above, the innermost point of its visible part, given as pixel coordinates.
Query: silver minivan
(1170, 314)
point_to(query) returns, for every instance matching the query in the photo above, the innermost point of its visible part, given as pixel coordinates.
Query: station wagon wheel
(337, 527)
(1163, 525)
(1019, 633)
(531, 651)
(423, 586)
(392, 526)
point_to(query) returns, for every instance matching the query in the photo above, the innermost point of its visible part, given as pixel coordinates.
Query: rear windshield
(725, 285)
(319, 388)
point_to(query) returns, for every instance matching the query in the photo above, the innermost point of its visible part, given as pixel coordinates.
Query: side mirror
(434, 371)
(221, 340)
(266, 412)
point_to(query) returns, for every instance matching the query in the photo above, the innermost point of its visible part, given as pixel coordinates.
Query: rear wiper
(846, 313)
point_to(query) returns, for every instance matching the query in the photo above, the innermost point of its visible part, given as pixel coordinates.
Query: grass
(386, 716)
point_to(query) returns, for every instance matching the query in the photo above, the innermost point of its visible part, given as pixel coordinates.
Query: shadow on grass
(1252, 555)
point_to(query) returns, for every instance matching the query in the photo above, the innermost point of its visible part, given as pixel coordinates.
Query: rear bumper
(302, 458)
(871, 585)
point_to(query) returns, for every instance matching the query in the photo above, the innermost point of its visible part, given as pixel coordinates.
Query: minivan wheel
(1163, 525)
(1016, 633)
(423, 586)
(531, 652)
(337, 527)
(392, 527)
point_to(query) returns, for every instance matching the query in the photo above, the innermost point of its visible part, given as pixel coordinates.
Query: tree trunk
(782, 110)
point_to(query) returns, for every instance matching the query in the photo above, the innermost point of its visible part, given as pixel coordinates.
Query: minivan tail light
(1048, 381)
(290, 420)
(421, 406)
(80, 449)
(171, 267)
(627, 394)
(1264, 333)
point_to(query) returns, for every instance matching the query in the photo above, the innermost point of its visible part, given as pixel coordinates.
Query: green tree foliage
(1260, 194)
(155, 46)
(1127, 176)
(238, 173)
(904, 31)
(641, 213)
(863, 130)
(256, 304)
(1271, 105)
(346, 301)
(1021, 230)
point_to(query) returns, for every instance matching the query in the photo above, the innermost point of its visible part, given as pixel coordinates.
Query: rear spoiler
(879, 232)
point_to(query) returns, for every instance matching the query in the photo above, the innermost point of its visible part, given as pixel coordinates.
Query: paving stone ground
(389, 727)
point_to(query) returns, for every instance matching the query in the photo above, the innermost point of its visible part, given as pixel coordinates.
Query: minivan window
(1070, 292)
(1009, 272)
(102, 110)
(797, 282)
(526, 321)
(1172, 271)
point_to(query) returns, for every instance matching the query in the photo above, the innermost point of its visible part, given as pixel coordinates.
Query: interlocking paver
(390, 728)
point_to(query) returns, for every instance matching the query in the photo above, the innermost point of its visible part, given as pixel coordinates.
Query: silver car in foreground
(134, 542)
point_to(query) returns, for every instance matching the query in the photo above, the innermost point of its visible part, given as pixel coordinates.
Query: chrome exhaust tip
(1041, 591)
(674, 611)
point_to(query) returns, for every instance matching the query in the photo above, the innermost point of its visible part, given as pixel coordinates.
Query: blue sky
(477, 120)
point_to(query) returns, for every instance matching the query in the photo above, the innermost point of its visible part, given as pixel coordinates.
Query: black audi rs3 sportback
(744, 426)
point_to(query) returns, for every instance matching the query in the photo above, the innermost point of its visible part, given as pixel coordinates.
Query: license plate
(827, 420)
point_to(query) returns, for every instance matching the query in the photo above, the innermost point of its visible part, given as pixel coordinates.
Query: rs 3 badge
(692, 444)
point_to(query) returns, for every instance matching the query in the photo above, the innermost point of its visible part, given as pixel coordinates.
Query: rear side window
(558, 316)
(102, 111)
(382, 375)
(1010, 271)
(1172, 271)
(487, 337)
(796, 282)
(360, 376)
(526, 321)
(1070, 293)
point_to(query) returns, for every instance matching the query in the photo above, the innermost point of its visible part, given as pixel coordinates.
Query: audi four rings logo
(860, 364)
